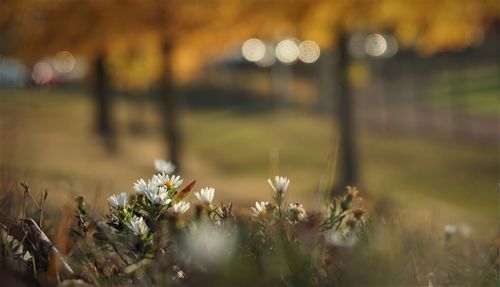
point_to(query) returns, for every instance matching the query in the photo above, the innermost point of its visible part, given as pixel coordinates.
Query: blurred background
(399, 98)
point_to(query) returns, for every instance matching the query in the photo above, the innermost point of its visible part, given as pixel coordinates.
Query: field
(47, 139)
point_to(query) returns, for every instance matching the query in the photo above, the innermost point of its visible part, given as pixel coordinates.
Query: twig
(43, 198)
(28, 192)
(39, 206)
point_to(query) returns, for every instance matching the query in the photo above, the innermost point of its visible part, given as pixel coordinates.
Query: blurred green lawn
(47, 139)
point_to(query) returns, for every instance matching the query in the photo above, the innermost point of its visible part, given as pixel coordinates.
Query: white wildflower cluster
(158, 188)
(137, 225)
(158, 195)
(155, 190)
(155, 196)
(295, 212)
(141, 186)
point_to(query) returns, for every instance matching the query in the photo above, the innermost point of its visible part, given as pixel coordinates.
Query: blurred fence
(450, 95)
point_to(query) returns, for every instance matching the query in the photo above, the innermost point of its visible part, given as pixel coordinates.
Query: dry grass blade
(38, 233)
(134, 267)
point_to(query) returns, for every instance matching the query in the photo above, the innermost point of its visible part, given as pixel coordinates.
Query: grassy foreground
(153, 237)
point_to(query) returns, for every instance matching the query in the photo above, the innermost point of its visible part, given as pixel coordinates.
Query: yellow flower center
(169, 184)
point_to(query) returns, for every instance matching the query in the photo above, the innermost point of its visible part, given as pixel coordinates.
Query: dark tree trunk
(325, 103)
(347, 165)
(103, 104)
(169, 108)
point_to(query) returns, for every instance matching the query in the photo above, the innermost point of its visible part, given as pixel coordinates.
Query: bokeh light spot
(42, 73)
(64, 62)
(375, 45)
(392, 46)
(309, 52)
(287, 51)
(253, 50)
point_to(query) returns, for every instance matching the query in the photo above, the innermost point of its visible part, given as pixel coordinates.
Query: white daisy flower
(158, 195)
(280, 184)
(169, 181)
(137, 225)
(260, 208)
(141, 186)
(206, 195)
(118, 201)
(296, 211)
(163, 166)
(180, 207)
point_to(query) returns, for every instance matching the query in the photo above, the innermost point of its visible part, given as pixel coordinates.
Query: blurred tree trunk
(103, 105)
(347, 165)
(326, 87)
(169, 107)
(281, 84)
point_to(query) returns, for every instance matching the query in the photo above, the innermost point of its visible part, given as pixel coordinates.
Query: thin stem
(118, 253)
(27, 191)
(39, 206)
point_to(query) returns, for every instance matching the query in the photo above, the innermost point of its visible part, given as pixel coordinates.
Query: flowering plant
(154, 236)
